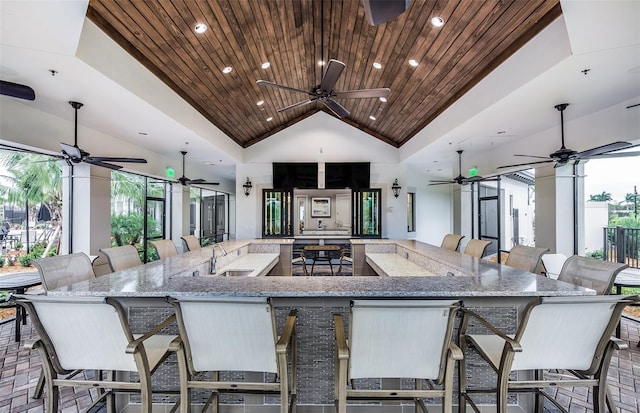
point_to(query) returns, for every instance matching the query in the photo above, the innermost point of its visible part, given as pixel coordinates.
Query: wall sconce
(396, 188)
(247, 187)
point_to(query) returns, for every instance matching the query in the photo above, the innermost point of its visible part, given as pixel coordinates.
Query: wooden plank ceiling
(294, 35)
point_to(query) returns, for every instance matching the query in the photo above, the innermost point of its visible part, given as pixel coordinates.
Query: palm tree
(34, 180)
(601, 197)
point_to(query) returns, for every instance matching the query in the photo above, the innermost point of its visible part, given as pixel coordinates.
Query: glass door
(367, 213)
(489, 216)
(277, 213)
(154, 219)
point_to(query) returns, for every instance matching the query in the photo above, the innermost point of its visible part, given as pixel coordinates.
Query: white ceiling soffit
(587, 20)
(37, 25)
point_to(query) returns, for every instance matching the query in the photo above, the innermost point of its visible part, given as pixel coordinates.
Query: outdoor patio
(20, 369)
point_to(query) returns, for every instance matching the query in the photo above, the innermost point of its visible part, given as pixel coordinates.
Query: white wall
(596, 217)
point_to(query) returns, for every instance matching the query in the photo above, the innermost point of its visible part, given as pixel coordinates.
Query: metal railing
(622, 245)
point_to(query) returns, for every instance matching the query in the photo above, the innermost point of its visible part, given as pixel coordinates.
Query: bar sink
(235, 273)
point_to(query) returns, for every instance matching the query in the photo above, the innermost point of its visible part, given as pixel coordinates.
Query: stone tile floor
(20, 369)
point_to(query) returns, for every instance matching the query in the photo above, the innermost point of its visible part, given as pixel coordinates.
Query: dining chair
(570, 335)
(300, 258)
(477, 247)
(552, 264)
(91, 333)
(345, 256)
(121, 258)
(62, 270)
(165, 248)
(451, 242)
(190, 242)
(590, 273)
(397, 339)
(525, 258)
(234, 334)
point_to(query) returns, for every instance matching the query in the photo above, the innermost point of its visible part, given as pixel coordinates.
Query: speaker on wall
(381, 11)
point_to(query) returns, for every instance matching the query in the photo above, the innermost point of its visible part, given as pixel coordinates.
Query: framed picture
(320, 207)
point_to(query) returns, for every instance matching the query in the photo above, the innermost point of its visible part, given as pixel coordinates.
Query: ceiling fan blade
(441, 183)
(613, 155)
(115, 159)
(336, 108)
(72, 151)
(602, 149)
(476, 178)
(334, 70)
(364, 93)
(17, 90)
(295, 105)
(271, 84)
(202, 182)
(534, 156)
(523, 164)
(102, 164)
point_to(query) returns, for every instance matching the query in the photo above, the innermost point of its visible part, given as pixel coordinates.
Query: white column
(91, 209)
(180, 210)
(554, 208)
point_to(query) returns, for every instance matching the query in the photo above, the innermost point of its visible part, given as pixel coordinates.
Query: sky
(616, 176)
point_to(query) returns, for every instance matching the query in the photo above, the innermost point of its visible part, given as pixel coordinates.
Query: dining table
(321, 253)
(18, 283)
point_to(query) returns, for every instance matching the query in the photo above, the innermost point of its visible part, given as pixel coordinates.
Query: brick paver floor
(20, 369)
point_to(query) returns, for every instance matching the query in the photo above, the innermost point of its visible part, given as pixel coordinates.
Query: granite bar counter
(497, 292)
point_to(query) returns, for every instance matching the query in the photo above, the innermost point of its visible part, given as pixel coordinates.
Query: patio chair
(165, 248)
(62, 270)
(552, 264)
(590, 273)
(477, 247)
(525, 258)
(234, 334)
(92, 333)
(190, 243)
(300, 258)
(397, 339)
(451, 242)
(121, 258)
(571, 335)
(345, 256)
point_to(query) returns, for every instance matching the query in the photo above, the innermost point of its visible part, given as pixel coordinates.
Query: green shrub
(19, 245)
(2, 260)
(25, 260)
(597, 254)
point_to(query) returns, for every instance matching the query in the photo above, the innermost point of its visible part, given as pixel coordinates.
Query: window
(411, 212)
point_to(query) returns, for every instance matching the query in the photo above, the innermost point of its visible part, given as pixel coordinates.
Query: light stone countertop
(173, 276)
(393, 265)
(259, 263)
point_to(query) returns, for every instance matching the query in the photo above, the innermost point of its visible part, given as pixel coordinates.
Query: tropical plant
(601, 197)
(2, 260)
(25, 260)
(597, 254)
(126, 229)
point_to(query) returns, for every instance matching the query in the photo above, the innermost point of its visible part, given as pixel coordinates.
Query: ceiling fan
(460, 180)
(17, 90)
(564, 155)
(186, 181)
(73, 154)
(325, 93)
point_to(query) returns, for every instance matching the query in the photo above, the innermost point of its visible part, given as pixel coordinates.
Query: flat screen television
(289, 175)
(340, 175)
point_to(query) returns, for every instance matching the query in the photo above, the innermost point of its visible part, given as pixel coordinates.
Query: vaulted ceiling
(294, 35)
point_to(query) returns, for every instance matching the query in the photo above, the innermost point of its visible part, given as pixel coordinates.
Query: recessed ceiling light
(200, 28)
(383, 99)
(372, 117)
(437, 21)
(227, 69)
(413, 62)
(320, 62)
(265, 65)
(377, 65)
(269, 119)
(260, 102)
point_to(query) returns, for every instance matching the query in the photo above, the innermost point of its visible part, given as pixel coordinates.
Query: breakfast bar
(497, 292)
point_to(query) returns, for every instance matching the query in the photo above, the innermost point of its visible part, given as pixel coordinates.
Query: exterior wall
(596, 217)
